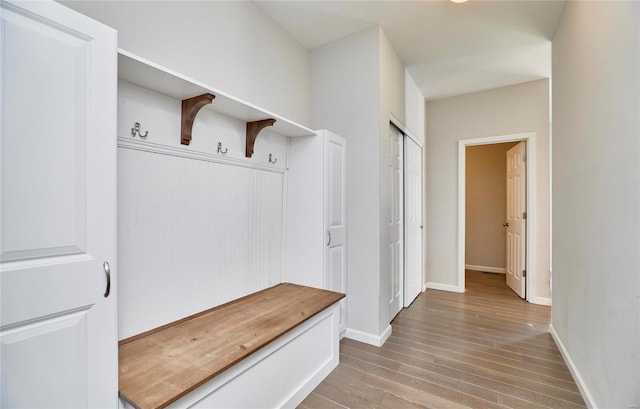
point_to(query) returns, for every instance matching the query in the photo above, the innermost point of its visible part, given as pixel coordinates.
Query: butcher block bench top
(160, 366)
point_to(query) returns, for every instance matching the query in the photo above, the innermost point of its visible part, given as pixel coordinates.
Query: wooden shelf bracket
(190, 108)
(253, 128)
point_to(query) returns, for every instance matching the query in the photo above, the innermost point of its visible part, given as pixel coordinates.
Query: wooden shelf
(144, 73)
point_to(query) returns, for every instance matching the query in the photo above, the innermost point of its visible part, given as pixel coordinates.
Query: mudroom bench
(268, 349)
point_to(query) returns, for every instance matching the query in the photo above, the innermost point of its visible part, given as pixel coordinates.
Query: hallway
(486, 348)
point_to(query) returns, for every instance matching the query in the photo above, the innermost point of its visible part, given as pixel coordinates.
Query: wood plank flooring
(486, 348)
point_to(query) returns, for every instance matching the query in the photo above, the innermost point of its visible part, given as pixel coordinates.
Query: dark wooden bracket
(190, 108)
(253, 128)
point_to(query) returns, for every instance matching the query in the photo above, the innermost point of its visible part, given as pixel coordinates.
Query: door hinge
(524, 157)
(524, 273)
(524, 215)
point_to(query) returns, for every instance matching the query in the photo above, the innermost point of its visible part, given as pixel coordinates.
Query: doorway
(495, 203)
(528, 261)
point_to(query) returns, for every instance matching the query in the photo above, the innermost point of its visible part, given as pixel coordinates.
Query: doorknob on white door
(329, 233)
(505, 224)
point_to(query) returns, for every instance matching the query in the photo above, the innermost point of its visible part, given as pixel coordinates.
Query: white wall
(392, 103)
(357, 84)
(596, 198)
(414, 108)
(231, 46)
(345, 99)
(502, 111)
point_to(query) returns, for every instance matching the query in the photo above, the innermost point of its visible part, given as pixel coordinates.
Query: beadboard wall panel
(195, 229)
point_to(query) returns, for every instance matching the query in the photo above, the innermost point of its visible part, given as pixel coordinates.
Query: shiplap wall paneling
(195, 229)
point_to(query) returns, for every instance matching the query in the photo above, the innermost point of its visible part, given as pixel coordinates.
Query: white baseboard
(542, 301)
(486, 269)
(385, 335)
(584, 391)
(443, 287)
(424, 287)
(368, 338)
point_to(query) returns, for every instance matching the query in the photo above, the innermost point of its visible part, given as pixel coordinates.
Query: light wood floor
(486, 348)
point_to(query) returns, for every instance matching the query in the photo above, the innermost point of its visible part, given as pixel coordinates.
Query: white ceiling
(448, 48)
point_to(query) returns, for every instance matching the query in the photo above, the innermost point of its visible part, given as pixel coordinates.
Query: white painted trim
(385, 335)
(424, 287)
(145, 146)
(368, 338)
(401, 126)
(542, 301)
(531, 267)
(444, 287)
(486, 269)
(577, 377)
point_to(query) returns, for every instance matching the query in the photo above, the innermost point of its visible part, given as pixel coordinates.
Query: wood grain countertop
(160, 366)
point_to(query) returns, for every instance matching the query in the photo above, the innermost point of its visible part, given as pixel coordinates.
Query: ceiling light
(458, 1)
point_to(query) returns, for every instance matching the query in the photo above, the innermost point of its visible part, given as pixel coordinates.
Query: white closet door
(335, 218)
(413, 220)
(396, 220)
(58, 208)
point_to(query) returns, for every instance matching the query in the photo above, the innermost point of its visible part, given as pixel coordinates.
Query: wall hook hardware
(136, 130)
(271, 159)
(224, 152)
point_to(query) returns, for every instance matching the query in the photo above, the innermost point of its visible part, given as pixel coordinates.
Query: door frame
(530, 139)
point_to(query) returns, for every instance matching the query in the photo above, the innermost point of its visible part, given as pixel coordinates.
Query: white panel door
(57, 209)
(516, 224)
(413, 220)
(396, 221)
(335, 217)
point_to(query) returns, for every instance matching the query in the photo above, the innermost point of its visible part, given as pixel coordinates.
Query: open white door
(58, 331)
(412, 220)
(335, 184)
(516, 220)
(396, 220)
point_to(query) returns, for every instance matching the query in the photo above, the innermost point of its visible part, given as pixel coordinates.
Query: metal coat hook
(271, 159)
(224, 152)
(136, 130)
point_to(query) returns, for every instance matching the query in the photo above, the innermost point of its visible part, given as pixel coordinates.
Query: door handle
(329, 233)
(107, 272)
(505, 224)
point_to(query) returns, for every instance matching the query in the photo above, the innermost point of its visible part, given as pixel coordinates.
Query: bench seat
(162, 366)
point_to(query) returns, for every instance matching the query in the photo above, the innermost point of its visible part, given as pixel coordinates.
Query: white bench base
(280, 375)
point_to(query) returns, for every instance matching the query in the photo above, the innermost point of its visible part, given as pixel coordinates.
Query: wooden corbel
(253, 128)
(190, 108)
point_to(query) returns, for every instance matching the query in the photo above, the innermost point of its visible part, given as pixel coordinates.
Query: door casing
(530, 138)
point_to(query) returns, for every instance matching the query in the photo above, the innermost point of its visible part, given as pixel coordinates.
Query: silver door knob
(107, 272)
(506, 224)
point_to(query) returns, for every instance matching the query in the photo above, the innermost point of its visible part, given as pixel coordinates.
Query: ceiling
(449, 49)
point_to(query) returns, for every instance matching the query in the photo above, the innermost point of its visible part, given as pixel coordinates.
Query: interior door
(396, 220)
(57, 209)
(335, 219)
(412, 220)
(516, 223)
